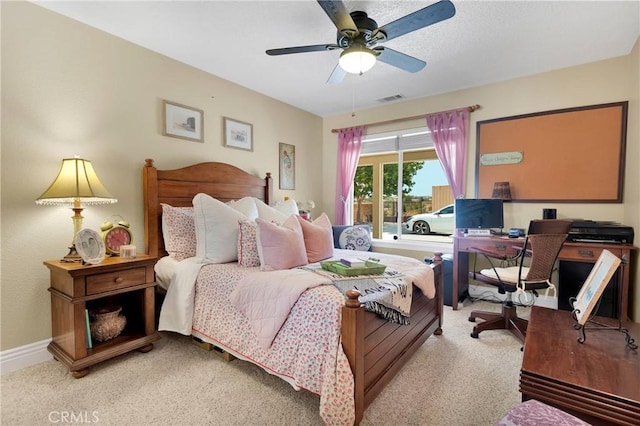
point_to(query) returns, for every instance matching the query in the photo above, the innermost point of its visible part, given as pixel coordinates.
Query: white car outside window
(441, 221)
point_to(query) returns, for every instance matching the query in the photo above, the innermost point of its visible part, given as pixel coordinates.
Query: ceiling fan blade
(339, 15)
(337, 75)
(419, 19)
(302, 49)
(399, 60)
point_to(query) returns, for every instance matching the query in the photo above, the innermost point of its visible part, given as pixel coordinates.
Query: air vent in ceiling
(391, 98)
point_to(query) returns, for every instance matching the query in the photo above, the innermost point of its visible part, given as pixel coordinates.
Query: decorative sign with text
(496, 158)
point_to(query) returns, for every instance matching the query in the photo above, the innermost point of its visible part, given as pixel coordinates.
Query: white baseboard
(479, 291)
(24, 356)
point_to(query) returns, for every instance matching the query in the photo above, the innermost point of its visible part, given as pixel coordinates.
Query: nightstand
(128, 283)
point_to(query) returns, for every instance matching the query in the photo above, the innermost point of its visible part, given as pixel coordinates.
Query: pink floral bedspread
(307, 351)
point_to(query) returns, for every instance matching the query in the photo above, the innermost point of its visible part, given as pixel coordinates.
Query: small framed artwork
(594, 285)
(181, 121)
(287, 165)
(237, 134)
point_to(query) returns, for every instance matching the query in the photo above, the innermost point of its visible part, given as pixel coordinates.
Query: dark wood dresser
(598, 380)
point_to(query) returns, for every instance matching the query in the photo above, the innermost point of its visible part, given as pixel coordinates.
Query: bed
(375, 349)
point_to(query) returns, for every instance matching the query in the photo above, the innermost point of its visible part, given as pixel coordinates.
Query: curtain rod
(471, 108)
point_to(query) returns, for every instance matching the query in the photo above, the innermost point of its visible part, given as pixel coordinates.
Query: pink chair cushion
(536, 413)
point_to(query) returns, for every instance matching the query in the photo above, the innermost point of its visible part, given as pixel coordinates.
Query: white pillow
(246, 206)
(216, 229)
(287, 207)
(278, 213)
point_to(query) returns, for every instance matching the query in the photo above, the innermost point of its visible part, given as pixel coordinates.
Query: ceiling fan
(358, 36)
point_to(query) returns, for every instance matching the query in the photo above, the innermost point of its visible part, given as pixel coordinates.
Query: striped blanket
(387, 295)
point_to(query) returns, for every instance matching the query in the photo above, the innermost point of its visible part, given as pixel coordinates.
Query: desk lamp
(501, 191)
(76, 185)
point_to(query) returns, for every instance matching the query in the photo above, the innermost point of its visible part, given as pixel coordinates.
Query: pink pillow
(248, 244)
(280, 247)
(179, 231)
(318, 238)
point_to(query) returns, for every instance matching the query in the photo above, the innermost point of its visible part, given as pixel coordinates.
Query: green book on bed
(370, 267)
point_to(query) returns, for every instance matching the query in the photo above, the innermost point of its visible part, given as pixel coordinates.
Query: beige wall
(600, 82)
(632, 179)
(70, 89)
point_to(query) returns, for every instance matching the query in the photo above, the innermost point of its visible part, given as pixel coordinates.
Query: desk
(572, 252)
(596, 380)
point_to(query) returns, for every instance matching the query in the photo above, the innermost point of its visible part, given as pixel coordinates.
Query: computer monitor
(479, 213)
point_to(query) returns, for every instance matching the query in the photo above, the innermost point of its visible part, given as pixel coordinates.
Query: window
(421, 183)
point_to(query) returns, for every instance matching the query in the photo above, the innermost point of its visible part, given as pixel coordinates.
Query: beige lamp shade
(75, 185)
(76, 180)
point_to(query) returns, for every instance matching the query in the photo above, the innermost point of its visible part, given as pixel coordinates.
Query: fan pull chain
(353, 97)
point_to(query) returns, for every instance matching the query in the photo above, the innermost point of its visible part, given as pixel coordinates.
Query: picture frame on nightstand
(90, 246)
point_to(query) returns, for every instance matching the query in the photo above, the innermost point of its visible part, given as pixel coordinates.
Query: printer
(592, 231)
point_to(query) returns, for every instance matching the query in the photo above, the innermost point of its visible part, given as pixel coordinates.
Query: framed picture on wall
(594, 285)
(237, 134)
(287, 166)
(181, 121)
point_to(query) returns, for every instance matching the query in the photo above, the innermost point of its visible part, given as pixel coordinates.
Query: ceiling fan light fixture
(357, 59)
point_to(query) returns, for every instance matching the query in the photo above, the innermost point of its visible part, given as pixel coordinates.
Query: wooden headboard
(178, 187)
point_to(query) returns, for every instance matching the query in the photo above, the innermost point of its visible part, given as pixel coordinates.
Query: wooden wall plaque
(567, 155)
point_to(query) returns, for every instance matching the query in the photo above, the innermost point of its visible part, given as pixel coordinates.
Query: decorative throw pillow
(248, 244)
(357, 237)
(287, 207)
(246, 206)
(318, 238)
(280, 247)
(278, 213)
(216, 229)
(179, 231)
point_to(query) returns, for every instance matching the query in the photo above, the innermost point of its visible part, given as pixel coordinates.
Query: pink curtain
(349, 146)
(449, 130)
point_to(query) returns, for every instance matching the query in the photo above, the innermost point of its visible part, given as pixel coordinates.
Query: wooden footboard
(378, 349)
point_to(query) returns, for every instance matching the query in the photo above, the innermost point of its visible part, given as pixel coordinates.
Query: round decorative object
(107, 323)
(116, 235)
(355, 238)
(90, 246)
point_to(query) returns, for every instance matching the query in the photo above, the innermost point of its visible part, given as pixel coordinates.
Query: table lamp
(76, 185)
(501, 191)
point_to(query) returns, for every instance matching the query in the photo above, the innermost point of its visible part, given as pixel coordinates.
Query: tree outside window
(381, 212)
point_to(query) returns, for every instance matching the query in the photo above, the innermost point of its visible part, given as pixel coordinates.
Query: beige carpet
(452, 380)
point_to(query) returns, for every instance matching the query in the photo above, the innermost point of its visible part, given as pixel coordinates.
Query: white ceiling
(485, 42)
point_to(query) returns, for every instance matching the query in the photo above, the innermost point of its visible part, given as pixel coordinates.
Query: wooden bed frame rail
(376, 349)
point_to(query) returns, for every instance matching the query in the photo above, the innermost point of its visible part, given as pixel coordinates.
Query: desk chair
(540, 250)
